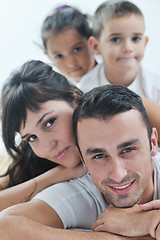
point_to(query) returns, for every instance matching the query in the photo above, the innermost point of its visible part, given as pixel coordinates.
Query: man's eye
(115, 39)
(50, 122)
(31, 138)
(128, 150)
(99, 156)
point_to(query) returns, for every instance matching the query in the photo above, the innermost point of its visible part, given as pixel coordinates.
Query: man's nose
(117, 170)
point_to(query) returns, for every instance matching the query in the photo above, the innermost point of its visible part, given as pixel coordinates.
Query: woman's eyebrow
(43, 116)
(39, 121)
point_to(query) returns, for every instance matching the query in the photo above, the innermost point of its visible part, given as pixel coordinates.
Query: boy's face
(122, 44)
(118, 157)
(70, 53)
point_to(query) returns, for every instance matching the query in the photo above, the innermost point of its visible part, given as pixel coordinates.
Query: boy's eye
(99, 156)
(31, 138)
(59, 56)
(115, 39)
(50, 122)
(77, 49)
(136, 39)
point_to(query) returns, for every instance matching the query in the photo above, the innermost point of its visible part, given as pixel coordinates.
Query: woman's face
(49, 133)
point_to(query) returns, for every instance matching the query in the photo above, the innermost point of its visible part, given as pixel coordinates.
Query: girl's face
(49, 133)
(70, 53)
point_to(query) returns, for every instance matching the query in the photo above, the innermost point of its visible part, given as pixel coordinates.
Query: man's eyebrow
(91, 151)
(39, 121)
(128, 143)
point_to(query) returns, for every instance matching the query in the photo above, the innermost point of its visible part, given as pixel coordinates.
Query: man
(119, 148)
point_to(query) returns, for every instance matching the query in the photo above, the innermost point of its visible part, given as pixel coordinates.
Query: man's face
(118, 157)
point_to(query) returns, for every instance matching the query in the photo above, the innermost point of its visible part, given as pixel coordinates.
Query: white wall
(20, 23)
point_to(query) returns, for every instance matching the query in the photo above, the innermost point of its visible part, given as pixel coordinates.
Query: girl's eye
(50, 122)
(59, 56)
(99, 156)
(115, 39)
(31, 138)
(136, 39)
(77, 49)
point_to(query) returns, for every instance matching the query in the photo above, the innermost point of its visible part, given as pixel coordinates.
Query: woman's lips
(61, 154)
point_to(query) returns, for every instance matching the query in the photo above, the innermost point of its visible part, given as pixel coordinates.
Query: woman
(37, 104)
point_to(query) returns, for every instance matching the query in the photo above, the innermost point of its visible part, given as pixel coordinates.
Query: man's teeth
(125, 186)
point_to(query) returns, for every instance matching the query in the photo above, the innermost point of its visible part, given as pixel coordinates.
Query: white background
(21, 20)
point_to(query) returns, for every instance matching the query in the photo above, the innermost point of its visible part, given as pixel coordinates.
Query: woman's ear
(154, 142)
(94, 45)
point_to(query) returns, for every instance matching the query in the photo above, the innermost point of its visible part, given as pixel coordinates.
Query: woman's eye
(31, 138)
(50, 122)
(99, 156)
(115, 39)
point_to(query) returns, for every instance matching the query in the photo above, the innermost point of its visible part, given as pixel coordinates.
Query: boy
(118, 35)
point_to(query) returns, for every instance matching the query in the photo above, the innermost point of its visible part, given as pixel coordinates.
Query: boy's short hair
(112, 9)
(107, 101)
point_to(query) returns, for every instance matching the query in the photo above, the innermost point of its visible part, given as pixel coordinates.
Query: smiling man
(119, 148)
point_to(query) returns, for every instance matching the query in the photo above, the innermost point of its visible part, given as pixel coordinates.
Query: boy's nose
(127, 46)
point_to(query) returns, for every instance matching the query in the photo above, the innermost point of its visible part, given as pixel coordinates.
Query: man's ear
(94, 45)
(154, 142)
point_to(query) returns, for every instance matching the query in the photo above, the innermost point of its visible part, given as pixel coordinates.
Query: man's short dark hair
(105, 102)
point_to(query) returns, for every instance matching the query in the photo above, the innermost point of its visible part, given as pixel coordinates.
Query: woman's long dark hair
(32, 84)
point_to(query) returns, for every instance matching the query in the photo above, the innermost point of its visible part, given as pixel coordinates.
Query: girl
(65, 36)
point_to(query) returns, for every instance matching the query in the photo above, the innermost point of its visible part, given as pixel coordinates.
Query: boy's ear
(94, 45)
(146, 41)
